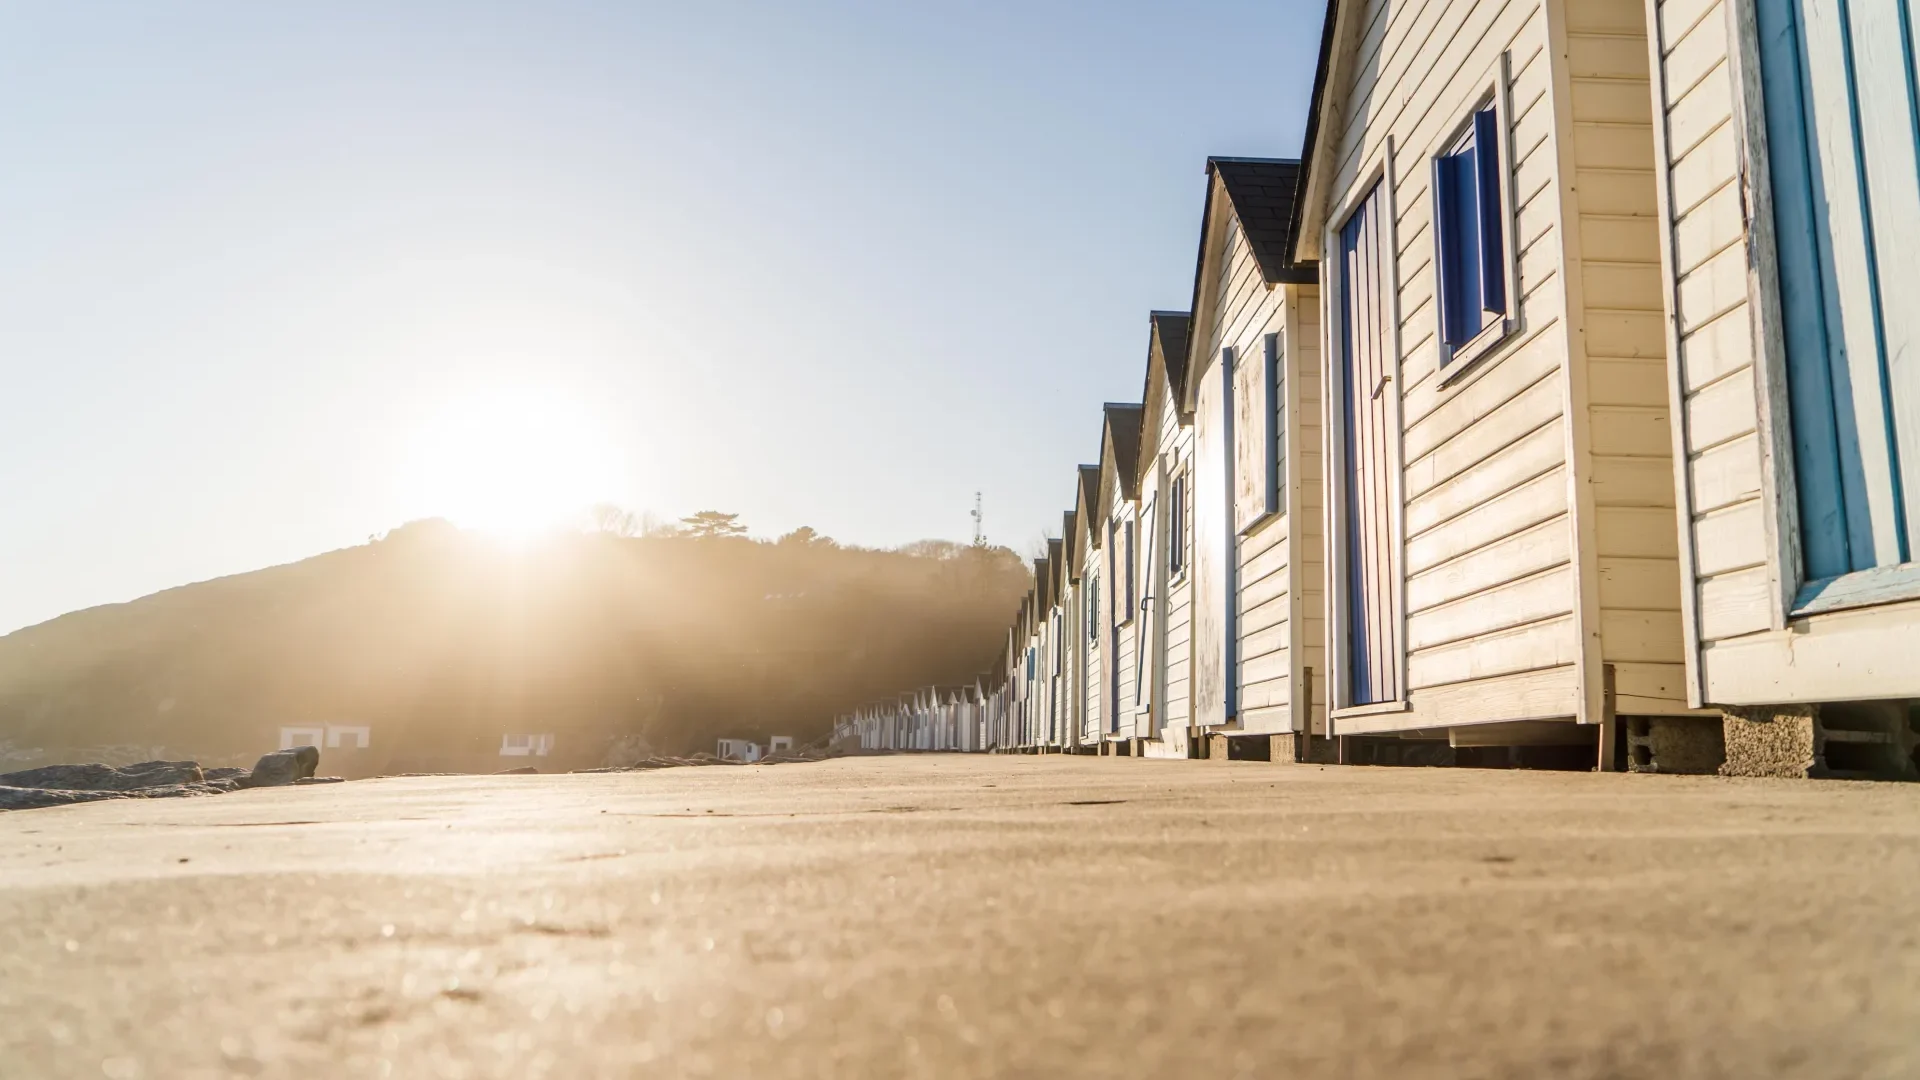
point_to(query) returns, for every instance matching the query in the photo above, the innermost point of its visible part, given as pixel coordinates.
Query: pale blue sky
(825, 263)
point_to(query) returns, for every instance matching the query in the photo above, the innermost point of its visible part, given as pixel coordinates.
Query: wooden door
(1370, 642)
(1838, 78)
(1214, 640)
(1146, 654)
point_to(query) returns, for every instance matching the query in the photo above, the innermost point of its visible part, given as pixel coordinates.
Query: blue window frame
(1469, 230)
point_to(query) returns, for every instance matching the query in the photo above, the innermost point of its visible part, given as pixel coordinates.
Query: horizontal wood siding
(1720, 410)
(1630, 426)
(1247, 310)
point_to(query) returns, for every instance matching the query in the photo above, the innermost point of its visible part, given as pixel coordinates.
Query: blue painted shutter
(1487, 214)
(1455, 199)
(1275, 389)
(1230, 558)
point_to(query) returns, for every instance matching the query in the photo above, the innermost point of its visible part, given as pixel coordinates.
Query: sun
(514, 463)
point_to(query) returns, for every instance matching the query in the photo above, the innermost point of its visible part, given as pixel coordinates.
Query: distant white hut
(739, 750)
(526, 745)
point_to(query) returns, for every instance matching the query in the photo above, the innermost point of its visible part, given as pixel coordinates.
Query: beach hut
(1789, 200)
(1120, 569)
(1067, 645)
(1479, 193)
(1161, 684)
(1088, 521)
(1250, 387)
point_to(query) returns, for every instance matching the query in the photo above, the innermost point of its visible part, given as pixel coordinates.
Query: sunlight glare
(514, 464)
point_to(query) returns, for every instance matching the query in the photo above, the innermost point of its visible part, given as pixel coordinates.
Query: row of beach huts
(1560, 405)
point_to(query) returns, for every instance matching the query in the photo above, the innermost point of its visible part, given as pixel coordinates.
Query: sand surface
(950, 916)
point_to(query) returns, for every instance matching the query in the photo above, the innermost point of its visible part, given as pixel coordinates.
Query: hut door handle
(1381, 385)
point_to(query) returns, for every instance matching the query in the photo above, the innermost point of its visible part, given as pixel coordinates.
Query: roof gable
(1087, 519)
(1168, 340)
(1261, 193)
(1309, 212)
(1122, 446)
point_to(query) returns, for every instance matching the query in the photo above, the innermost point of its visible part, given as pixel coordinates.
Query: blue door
(1839, 83)
(1372, 656)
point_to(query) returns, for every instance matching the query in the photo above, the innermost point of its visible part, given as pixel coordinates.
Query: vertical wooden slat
(1359, 691)
(1842, 213)
(1883, 88)
(1379, 518)
(1803, 301)
(1230, 557)
(1369, 480)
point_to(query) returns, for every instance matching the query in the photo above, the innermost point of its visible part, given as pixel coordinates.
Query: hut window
(1126, 614)
(1470, 232)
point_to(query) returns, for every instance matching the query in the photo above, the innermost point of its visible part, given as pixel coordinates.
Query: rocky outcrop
(283, 767)
(66, 785)
(96, 777)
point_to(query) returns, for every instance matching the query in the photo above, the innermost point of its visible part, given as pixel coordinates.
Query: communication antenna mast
(979, 537)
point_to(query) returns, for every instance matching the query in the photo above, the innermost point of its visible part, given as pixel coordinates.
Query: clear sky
(277, 277)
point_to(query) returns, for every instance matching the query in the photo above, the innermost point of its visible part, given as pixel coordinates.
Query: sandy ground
(949, 916)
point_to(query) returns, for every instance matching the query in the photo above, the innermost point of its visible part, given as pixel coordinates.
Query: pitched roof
(1089, 505)
(1069, 549)
(1055, 568)
(1310, 143)
(1168, 331)
(1123, 427)
(1261, 192)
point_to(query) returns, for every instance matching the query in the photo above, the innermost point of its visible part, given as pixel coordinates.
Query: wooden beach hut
(1479, 193)
(1789, 203)
(1252, 388)
(1120, 545)
(1161, 685)
(1089, 523)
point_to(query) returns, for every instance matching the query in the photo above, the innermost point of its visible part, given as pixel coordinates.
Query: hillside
(440, 641)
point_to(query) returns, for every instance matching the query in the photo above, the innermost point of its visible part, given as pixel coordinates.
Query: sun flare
(512, 464)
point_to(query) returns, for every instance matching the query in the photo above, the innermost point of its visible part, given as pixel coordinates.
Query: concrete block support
(1866, 740)
(1302, 748)
(1239, 747)
(1675, 744)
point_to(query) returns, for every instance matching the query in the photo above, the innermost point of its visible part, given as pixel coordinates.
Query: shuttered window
(1469, 214)
(1126, 615)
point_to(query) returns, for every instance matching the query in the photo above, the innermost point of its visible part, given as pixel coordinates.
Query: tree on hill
(805, 536)
(712, 523)
(613, 520)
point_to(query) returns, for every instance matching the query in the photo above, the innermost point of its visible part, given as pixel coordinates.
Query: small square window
(1469, 213)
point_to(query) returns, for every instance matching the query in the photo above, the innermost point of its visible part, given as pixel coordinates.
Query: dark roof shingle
(1261, 191)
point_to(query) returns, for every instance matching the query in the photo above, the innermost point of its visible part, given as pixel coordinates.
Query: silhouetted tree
(804, 536)
(613, 520)
(712, 523)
